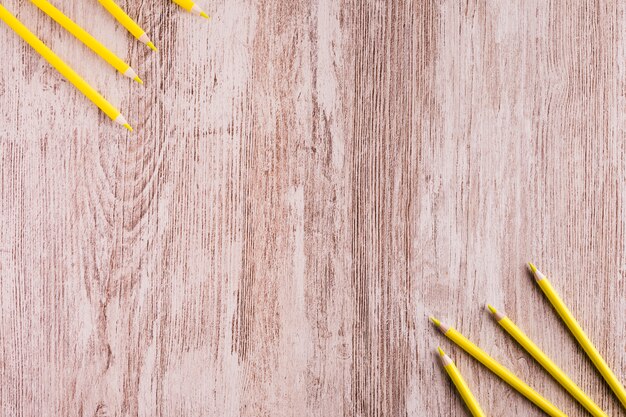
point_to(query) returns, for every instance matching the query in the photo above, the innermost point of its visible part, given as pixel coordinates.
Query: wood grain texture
(307, 181)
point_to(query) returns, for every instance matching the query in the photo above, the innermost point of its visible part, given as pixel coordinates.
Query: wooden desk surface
(307, 181)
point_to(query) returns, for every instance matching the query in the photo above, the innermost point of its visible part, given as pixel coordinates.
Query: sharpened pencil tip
(445, 359)
(206, 16)
(498, 315)
(151, 46)
(138, 80)
(536, 273)
(127, 126)
(435, 321)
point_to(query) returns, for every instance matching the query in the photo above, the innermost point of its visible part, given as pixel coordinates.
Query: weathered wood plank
(308, 180)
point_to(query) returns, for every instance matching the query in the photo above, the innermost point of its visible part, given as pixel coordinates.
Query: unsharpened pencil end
(435, 321)
(532, 267)
(206, 16)
(492, 309)
(151, 46)
(127, 126)
(138, 80)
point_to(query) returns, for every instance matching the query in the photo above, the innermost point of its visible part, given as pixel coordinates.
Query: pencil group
(529, 346)
(503, 373)
(543, 359)
(92, 43)
(87, 39)
(63, 68)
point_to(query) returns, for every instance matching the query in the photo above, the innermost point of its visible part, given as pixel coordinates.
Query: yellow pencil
(83, 36)
(579, 334)
(127, 22)
(502, 372)
(460, 384)
(556, 372)
(62, 67)
(192, 7)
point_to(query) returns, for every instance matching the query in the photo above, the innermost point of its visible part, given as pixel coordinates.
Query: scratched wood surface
(307, 181)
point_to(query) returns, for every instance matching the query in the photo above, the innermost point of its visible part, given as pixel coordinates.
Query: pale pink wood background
(307, 182)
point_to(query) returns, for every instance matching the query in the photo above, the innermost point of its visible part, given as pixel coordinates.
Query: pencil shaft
(502, 372)
(583, 340)
(185, 4)
(58, 63)
(464, 390)
(556, 372)
(82, 35)
(121, 16)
